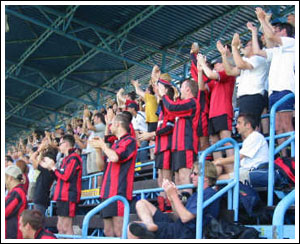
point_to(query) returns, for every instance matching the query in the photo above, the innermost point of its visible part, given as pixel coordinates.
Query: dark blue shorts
(288, 105)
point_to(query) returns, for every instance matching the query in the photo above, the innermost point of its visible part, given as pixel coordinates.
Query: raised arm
(138, 90)
(201, 83)
(267, 27)
(240, 63)
(208, 72)
(255, 46)
(229, 69)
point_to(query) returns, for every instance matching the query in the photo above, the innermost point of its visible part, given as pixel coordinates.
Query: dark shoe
(140, 230)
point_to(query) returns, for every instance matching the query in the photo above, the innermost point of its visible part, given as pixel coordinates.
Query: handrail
(272, 146)
(234, 184)
(91, 213)
(278, 216)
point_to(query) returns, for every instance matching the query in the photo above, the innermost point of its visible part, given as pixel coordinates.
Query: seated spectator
(155, 224)
(253, 153)
(15, 201)
(31, 225)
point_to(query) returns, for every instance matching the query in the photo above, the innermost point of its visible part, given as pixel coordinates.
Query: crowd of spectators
(50, 165)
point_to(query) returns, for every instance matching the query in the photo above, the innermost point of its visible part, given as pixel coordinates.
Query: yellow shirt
(150, 108)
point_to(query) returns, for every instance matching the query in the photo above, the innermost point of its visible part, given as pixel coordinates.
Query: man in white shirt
(282, 69)
(254, 150)
(139, 125)
(252, 71)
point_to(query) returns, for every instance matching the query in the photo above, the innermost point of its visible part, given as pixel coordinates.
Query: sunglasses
(194, 173)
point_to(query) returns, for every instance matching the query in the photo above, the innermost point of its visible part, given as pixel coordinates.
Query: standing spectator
(253, 153)
(97, 129)
(186, 112)
(221, 87)
(155, 224)
(44, 179)
(282, 70)
(150, 108)
(15, 201)
(124, 100)
(68, 187)
(139, 125)
(252, 71)
(119, 173)
(31, 225)
(163, 144)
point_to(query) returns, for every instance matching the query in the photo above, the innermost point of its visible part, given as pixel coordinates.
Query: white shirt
(282, 69)
(139, 122)
(253, 81)
(255, 149)
(100, 130)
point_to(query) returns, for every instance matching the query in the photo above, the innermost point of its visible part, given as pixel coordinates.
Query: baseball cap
(13, 170)
(133, 105)
(210, 170)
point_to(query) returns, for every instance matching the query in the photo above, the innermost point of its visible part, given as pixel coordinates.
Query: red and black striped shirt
(163, 139)
(15, 204)
(119, 176)
(68, 187)
(44, 234)
(186, 112)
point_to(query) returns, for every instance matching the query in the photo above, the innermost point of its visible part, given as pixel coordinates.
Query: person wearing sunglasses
(156, 225)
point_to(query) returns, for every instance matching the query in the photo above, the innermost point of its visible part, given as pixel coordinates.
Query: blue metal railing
(272, 146)
(279, 213)
(90, 214)
(234, 183)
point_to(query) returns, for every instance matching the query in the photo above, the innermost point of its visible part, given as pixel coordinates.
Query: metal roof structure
(59, 57)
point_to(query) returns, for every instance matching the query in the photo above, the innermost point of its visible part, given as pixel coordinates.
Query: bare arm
(240, 63)
(255, 46)
(201, 84)
(100, 144)
(177, 205)
(138, 90)
(229, 69)
(208, 72)
(267, 27)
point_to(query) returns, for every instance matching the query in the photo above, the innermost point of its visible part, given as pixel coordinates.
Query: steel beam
(99, 29)
(50, 91)
(100, 47)
(17, 125)
(83, 59)
(31, 120)
(40, 40)
(41, 108)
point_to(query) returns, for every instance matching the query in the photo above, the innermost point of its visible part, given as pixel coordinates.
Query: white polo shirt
(282, 69)
(255, 149)
(253, 81)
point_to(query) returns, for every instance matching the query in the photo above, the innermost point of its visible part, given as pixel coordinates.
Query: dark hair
(249, 118)
(124, 121)
(34, 217)
(70, 139)
(132, 95)
(9, 158)
(101, 116)
(193, 86)
(228, 46)
(290, 30)
(150, 88)
(51, 152)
